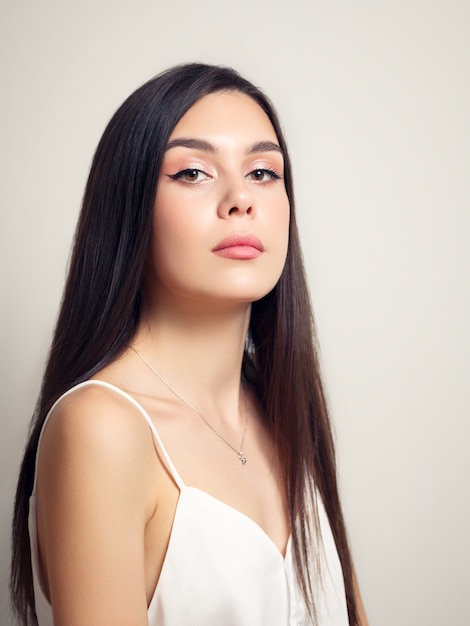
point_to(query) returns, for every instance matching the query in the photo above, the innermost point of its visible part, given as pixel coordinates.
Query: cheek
(285, 228)
(279, 225)
(168, 228)
(178, 235)
(170, 223)
(283, 219)
(165, 230)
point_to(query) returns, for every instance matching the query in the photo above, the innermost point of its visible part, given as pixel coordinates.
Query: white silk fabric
(221, 569)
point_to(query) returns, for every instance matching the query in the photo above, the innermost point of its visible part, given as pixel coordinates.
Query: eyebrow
(205, 146)
(264, 146)
(195, 144)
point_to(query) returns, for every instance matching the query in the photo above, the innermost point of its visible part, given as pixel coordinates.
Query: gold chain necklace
(239, 452)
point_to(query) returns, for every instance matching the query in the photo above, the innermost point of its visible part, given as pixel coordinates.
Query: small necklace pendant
(242, 458)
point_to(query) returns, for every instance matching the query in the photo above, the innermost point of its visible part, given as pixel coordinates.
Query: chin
(249, 295)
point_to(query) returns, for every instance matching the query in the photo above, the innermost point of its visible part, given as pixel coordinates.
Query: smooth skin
(106, 501)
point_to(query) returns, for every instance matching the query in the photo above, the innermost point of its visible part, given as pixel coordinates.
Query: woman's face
(221, 215)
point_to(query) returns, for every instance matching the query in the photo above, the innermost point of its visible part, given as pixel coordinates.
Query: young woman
(180, 468)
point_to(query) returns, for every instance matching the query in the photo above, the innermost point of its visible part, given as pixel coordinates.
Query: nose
(238, 200)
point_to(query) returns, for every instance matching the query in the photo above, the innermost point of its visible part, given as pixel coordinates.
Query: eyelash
(195, 171)
(271, 173)
(189, 170)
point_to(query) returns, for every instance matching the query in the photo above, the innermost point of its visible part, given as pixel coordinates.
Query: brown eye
(263, 175)
(190, 175)
(258, 174)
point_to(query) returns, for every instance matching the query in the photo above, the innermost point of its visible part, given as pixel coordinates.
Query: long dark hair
(102, 305)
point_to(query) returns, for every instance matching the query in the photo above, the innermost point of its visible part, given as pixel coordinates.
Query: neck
(199, 352)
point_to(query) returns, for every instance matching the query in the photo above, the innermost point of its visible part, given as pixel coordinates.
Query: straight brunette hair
(103, 300)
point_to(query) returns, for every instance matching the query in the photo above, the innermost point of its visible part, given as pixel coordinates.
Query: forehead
(227, 112)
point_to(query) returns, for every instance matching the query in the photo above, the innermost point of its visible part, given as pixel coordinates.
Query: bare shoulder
(94, 431)
(96, 491)
(98, 414)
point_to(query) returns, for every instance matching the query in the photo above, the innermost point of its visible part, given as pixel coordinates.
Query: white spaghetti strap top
(221, 569)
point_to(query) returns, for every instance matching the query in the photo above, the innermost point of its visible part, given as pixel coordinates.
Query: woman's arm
(95, 495)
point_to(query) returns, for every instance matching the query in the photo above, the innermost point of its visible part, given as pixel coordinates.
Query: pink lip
(239, 247)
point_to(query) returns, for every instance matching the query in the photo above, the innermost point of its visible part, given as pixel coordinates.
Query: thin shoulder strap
(177, 478)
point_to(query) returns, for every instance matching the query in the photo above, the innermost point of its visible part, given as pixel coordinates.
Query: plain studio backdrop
(375, 101)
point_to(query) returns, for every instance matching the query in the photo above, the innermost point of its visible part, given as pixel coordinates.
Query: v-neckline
(181, 485)
(243, 516)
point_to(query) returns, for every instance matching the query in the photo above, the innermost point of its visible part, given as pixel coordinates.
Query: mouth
(239, 247)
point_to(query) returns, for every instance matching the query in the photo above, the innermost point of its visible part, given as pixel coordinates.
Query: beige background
(375, 100)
